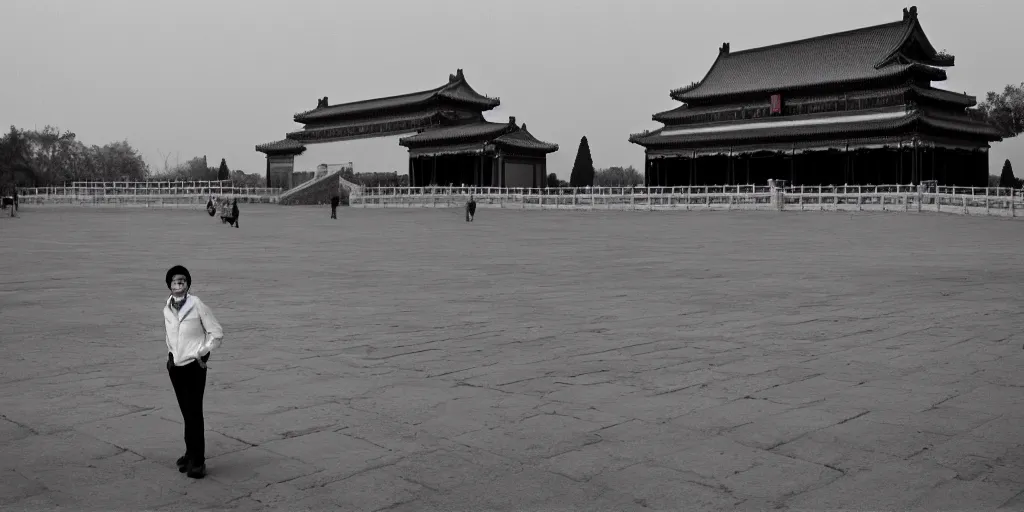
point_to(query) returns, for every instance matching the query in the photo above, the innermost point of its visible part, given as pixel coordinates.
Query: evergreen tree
(1007, 179)
(223, 173)
(583, 168)
(552, 180)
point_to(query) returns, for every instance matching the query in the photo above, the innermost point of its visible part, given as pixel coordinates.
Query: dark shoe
(196, 471)
(182, 463)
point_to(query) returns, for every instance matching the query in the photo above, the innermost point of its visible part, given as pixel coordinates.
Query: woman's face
(178, 286)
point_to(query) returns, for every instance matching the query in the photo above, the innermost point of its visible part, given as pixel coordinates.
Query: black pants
(334, 212)
(189, 383)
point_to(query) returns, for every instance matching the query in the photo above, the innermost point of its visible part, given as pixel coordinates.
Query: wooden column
(731, 169)
(792, 167)
(501, 171)
(915, 172)
(693, 169)
(899, 168)
(931, 163)
(846, 164)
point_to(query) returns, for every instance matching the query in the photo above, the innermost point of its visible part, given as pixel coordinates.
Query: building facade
(855, 107)
(281, 162)
(450, 142)
(480, 154)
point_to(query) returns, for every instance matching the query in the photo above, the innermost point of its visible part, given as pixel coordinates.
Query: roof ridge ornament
(724, 49)
(321, 103)
(910, 14)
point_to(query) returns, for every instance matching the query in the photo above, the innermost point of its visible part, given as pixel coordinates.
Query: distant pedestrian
(15, 197)
(234, 212)
(334, 206)
(470, 209)
(192, 333)
(210, 208)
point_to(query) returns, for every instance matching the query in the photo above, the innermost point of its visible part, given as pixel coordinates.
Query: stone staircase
(315, 191)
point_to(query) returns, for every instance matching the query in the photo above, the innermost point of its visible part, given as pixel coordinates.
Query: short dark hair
(178, 270)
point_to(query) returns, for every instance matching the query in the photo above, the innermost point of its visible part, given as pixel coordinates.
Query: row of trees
(376, 179)
(197, 169)
(51, 157)
(48, 157)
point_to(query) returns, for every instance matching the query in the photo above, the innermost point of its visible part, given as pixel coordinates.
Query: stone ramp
(315, 191)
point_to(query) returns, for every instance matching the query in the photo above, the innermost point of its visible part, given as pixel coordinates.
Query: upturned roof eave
(483, 136)
(650, 139)
(931, 72)
(415, 99)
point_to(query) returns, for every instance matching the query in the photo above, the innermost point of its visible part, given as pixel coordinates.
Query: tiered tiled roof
(456, 134)
(856, 56)
(953, 99)
(831, 89)
(849, 125)
(281, 147)
(965, 100)
(477, 135)
(524, 140)
(457, 90)
(354, 128)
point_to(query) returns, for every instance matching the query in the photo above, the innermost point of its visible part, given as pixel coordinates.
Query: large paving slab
(407, 360)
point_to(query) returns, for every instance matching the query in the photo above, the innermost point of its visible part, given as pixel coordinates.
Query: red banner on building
(776, 103)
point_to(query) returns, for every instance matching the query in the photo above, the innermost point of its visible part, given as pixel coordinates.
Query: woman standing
(192, 333)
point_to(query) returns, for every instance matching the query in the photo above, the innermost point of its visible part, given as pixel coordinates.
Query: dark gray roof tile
(281, 146)
(857, 55)
(524, 140)
(457, 89)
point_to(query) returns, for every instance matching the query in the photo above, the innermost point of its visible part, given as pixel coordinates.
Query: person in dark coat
(470, 209)
(334, 206)
(210, 208)
(234, 212)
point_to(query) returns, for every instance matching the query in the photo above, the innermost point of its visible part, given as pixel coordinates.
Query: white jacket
(192, 332)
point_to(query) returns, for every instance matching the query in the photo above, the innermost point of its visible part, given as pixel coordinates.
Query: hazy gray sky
(194, 77)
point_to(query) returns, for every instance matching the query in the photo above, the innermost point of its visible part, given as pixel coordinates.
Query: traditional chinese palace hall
(855, 107)
(449, 141)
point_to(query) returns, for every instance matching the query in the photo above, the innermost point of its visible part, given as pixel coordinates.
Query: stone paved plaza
(405, 360)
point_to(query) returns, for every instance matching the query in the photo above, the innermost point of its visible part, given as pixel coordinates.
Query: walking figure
(470, 209)
(234, 212)
(210, 208)
(192, 334)
(334, 206)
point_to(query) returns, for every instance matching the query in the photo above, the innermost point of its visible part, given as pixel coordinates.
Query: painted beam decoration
(375, 129)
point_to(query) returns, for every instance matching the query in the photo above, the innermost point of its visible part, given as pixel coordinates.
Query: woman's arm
(214, 333)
